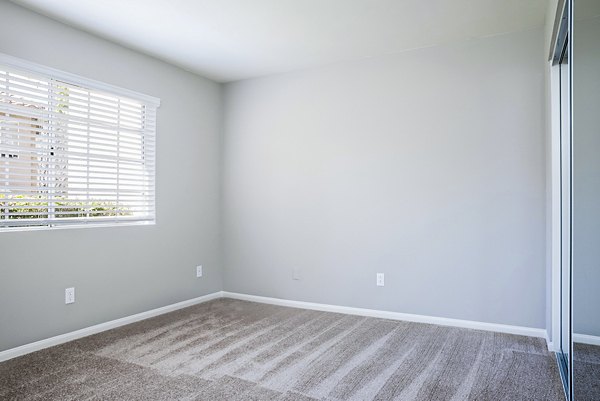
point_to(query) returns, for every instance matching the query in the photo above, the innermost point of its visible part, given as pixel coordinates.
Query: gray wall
(586, 173)
(428, 166)
(124, 270)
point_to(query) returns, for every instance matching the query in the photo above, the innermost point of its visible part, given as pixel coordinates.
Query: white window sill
(77, 226)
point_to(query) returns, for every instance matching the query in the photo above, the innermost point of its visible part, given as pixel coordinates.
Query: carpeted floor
(586, 372)
(235, 350)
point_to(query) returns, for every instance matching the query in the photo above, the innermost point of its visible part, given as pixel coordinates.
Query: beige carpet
(236, 350)
(586, 372)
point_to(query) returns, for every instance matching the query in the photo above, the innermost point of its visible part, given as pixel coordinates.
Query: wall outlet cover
(199, 271)
(380, 280)
(69, 295)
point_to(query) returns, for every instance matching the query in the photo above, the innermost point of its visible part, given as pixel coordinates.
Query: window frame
(91, 84)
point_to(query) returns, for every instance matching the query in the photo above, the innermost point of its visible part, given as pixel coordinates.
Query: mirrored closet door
(561, 97)
(585, 273)
(576, 97)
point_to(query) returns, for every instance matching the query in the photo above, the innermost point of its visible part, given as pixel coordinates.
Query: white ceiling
(228, 40)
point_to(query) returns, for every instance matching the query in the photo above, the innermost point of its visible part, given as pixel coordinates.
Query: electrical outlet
(199, 271)
(69, 295)
(380, 280)
(296, 273)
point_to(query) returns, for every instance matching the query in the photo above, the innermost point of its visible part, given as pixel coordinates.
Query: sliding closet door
(585, 59)
(566, 212)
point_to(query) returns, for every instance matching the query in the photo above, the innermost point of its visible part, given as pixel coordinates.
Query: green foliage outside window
(64, 208)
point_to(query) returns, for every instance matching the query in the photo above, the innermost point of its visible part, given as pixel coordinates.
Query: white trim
(442, 321)
(19, 63)
(552, 345)
(74, 335)
(555, 206)
(549, 343)
(586, 339)
(111, 224)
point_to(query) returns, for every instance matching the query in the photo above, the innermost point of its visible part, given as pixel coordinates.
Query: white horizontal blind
(71, 154)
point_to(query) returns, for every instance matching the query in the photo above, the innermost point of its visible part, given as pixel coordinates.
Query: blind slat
(40, 116)
(38, 145)
(38, 134)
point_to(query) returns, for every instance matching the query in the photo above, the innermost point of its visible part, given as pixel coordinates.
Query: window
(73, 151)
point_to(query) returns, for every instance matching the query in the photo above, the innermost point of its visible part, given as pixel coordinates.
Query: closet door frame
(562, 194)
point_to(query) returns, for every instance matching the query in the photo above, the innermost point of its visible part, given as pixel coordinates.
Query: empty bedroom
(286, 200)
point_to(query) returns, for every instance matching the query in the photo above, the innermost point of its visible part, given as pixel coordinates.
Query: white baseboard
(577, 338)
(63, 338)
(469, 324)
(551, 346)
(443, 321)
(586, 339)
